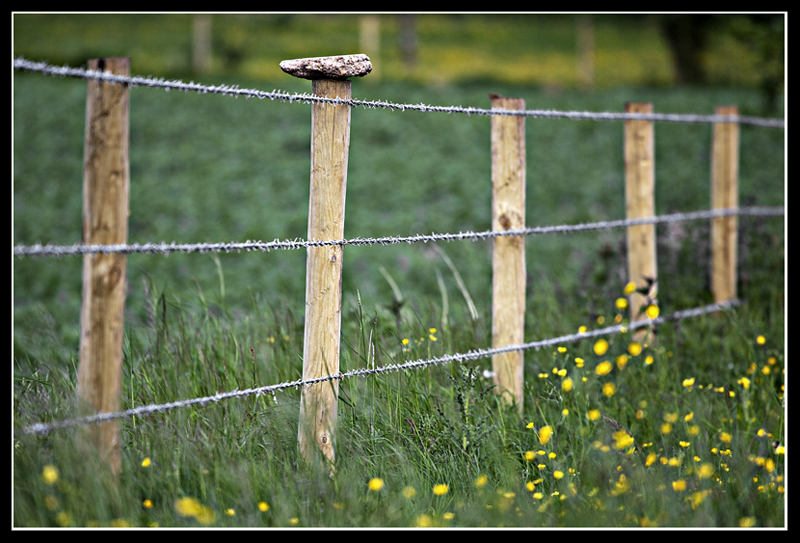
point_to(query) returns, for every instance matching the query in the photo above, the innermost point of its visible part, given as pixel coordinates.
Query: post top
(339, 67)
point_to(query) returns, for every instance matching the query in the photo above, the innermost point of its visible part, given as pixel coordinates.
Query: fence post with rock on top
(330, 143)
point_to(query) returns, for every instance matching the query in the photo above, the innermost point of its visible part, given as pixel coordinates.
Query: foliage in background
(526, 49)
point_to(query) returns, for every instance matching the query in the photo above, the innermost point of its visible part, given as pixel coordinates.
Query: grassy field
(703, 405)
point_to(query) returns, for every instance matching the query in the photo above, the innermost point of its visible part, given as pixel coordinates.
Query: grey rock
(339, 67)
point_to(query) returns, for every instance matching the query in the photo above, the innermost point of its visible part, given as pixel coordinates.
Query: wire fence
(50, 250)
(234, 90)
(45, 428)
(39, 250)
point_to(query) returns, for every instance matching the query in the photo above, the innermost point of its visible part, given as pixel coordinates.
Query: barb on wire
(39, 250)
(234, 90)
(46, 428)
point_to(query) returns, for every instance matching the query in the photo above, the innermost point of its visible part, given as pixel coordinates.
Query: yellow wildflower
(623, 439)
(630, 288)
(603, 368)
(601, 347)
(705, 471)
(50, 474)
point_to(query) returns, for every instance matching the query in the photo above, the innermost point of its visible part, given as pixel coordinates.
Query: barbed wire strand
(39, 250)
(21, 63)
(46, 428)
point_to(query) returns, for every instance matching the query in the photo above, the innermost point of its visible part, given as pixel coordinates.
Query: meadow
(684, 431)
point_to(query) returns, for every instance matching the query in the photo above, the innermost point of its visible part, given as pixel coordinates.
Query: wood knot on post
(339, 67)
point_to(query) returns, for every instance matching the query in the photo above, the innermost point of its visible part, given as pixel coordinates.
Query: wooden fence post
(106, 175)
(724, 194)
(508, 255)
(639, 202)
(330, 143)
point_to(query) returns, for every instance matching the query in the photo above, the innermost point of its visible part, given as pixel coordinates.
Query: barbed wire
(39, 250)
(21, 63)
(46, 428)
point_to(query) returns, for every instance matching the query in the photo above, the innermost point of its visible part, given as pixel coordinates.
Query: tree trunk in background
(687, 37)
(408, 40)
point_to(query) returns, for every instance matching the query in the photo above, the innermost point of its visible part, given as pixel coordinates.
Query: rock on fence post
(508, 255)
(330, 143)
(106, 176)
(639, 203)
(724, 194)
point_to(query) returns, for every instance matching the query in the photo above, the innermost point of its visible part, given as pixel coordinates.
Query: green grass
(210, 168)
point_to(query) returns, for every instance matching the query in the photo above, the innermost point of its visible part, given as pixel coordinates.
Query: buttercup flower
(603, 368)
(629, 288)
(50, 474)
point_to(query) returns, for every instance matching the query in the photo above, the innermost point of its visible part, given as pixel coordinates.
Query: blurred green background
(212, 168)
(527, 49)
